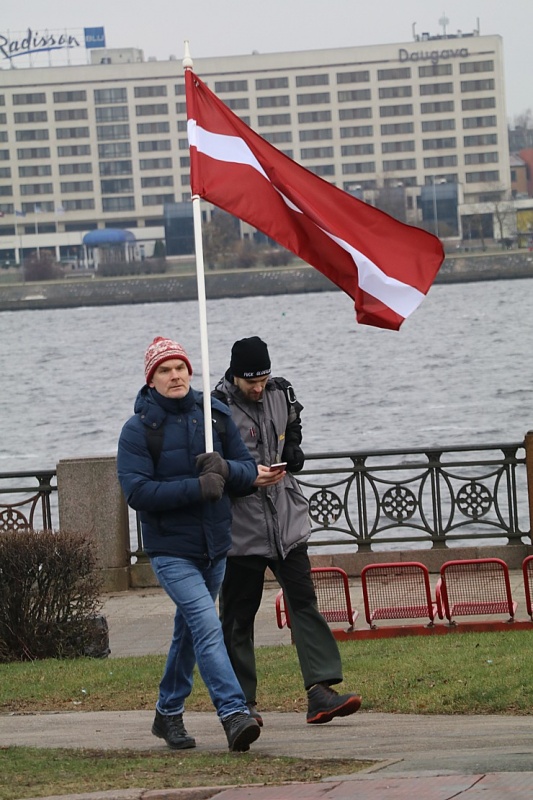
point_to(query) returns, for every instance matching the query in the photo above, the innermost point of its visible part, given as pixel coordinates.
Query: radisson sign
(432, 55)
(33, 42)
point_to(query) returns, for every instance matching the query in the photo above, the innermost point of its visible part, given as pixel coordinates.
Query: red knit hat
(161, 350)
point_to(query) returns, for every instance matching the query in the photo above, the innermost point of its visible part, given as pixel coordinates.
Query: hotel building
(419, 128)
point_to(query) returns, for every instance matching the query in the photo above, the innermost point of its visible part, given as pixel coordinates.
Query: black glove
(212, 462)
(294, 457)
(211, 487)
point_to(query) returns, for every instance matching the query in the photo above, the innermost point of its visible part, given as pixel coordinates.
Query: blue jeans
(197, 638)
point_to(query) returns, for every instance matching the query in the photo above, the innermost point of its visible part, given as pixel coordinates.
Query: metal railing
(382, 499)
(34, 508)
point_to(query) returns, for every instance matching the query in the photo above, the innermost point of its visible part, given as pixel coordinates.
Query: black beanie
(249, 358)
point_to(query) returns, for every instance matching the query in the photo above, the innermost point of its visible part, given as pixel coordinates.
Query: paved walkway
(419, 757)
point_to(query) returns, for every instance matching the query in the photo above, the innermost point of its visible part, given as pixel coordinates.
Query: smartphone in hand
(280, 467)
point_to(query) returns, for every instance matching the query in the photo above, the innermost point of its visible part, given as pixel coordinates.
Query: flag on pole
(384, 265)
(36, 209)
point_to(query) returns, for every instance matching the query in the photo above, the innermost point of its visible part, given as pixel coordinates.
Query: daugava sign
(432, 55)
(32, 42)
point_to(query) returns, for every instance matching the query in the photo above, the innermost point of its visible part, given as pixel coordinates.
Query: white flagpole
(202, 303)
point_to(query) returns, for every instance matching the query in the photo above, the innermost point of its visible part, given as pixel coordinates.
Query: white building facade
(419, 128)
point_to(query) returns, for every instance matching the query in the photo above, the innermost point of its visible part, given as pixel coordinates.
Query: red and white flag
(385, 266)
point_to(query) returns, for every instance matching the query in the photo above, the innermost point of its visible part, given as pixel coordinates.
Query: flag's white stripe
(400, 297)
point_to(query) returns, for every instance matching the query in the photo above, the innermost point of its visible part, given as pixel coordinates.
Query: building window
(154, 145)
(314, 116)
(44, 206)
(153, 181)
(399, 164)
(66, 114)
(439, 144)
(476, 66)
(72, 133)
(436, 88)
(434, 70)
(275, 101)
(115, 167)
(361, 76)
(273, 119)
(403, 110)
(78, 205)
(36, 188)
(390, 92)
(236, 103)
(231, 86)
(79, 96)
(352, 131)
(69, 150)
(76, 169)
(262, 84)
(313, 98)
(32, 98)
(107, 96)
(311, 135)
(481, 158)
(478, 103)
(118, 204)
(21, 117)
(481, 140)
(185, 179)
(359, 168)
(76, 186)
(3, 136)
(312, 80)
(155, 163)
(278, 137)
(395, 74)
(366, 149)
(185, 162)
(35, 171)
(352, 95)
(116, 186)
(437, 162)
(316, 152)
(4, 154)
(479, 122)
(396, 128)
(114, 150)
(354, 113)
(6, 191)
(144, 128)
(484, 85)
(151, 110)
(179, 89)
(32, 135)
(398, 147)
(181, 126)
(491, 176)
(112, 114)
(112, 132)
(150, 91)
(29, 152)
(438, 125)
(323, 170)
(157, 199)
(437, 107)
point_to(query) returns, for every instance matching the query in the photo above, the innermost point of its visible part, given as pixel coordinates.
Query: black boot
(324, 703)
(170, 727)
(252, 708)
(241, 730)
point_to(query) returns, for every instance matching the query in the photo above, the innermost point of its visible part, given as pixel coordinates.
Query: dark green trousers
(240, 599)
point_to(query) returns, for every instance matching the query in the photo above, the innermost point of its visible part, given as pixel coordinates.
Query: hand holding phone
(279, 467)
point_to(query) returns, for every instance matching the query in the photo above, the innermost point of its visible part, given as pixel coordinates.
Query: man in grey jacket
(270, 529)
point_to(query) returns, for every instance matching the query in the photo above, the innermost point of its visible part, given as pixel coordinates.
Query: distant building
(417, 128)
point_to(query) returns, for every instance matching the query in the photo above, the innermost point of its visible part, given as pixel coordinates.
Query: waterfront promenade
(426, 757)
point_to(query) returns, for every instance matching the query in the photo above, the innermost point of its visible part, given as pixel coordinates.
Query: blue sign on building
(94, 37)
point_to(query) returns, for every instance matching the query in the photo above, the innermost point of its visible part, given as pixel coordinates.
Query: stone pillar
(91, 502)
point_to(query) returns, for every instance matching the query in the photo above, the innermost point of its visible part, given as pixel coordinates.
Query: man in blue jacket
(182, 494)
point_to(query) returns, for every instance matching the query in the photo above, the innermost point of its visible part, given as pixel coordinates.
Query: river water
(458, 372)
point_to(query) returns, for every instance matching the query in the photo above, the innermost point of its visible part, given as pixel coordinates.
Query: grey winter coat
(275, 519)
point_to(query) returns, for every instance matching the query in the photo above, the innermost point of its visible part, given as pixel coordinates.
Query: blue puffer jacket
(174, 519)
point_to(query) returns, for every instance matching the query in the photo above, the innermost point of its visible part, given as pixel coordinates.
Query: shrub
(42, 267)
(49, 597)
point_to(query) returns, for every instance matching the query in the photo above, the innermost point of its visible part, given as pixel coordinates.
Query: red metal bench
(527, 570)
(333, 598)
(397, 590)
(474, 586)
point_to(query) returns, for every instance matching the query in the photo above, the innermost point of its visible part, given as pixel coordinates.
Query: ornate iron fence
(34, 510)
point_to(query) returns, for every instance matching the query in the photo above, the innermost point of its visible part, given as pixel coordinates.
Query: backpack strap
(154, 436)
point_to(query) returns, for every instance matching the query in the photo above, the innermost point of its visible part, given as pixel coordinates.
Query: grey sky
(233, 27)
